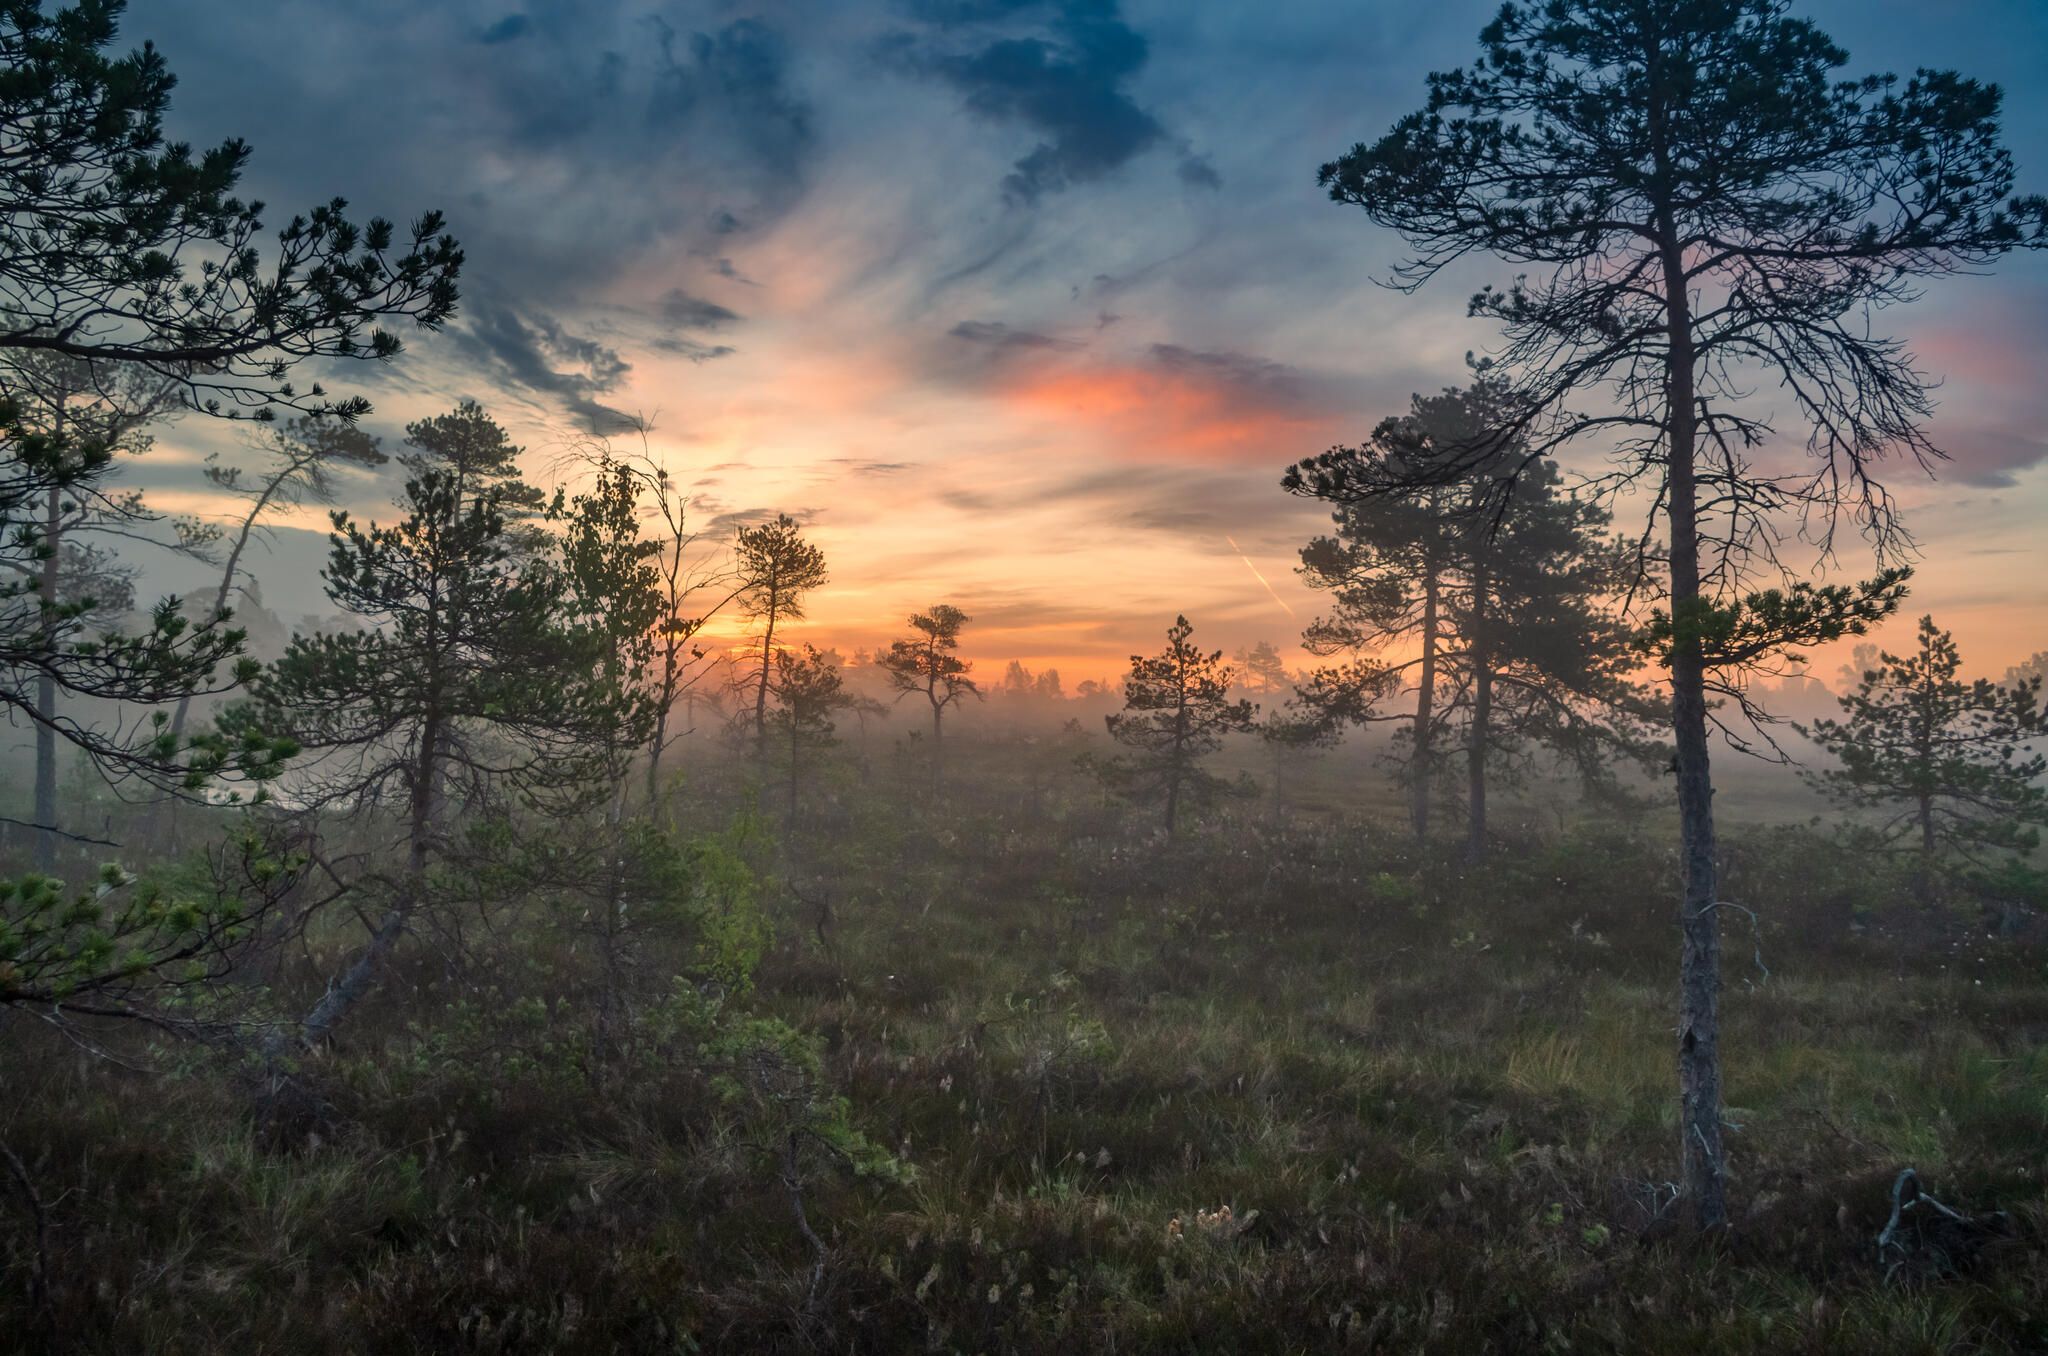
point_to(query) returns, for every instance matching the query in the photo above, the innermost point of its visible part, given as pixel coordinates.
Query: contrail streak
(1256, 575)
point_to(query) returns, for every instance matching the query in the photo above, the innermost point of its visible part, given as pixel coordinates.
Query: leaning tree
(1704, 220)
(486, 673)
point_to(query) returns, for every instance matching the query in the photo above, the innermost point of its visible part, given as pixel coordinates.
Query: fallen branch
(61, 833)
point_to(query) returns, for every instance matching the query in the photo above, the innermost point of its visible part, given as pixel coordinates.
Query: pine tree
(928, 663)
(1690, 197)
(775, 568)
(1497, 578)
(128, 265)
(1947, 766)
(1177, 709)
(475, 675)
(810, 691)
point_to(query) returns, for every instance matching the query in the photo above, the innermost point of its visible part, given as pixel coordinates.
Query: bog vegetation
(503, 964)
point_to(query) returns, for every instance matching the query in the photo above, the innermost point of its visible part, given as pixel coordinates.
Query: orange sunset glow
(1054, 413)
(1163, 677)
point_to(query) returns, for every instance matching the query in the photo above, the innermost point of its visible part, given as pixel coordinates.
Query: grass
(1437, 1102)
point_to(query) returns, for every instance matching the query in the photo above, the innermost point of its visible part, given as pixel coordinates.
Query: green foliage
(1778, 623)
(774, 568)
(476, 632)
(122, 947)
(111, 222)
(1454, 536)
(1947, 766)
(809, 694)
(1177, 709)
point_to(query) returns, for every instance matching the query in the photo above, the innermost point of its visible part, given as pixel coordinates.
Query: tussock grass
(1437, 1101)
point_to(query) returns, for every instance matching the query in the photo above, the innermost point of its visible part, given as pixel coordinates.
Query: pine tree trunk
(1173, 791)
(362, 974)
(1705, 1168)
(1923, 877)
(46, 697)
(938, 752)
(761, 693)
(1425, 715)
(1476, 750)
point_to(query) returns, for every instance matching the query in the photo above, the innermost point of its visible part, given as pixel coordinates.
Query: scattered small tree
(928, 664)
(1177, 709)
(810, 692)
(1262, 671)
(775, 568)
(1948, 765)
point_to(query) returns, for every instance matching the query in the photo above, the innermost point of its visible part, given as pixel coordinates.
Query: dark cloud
(1196, 171)
(1240, 371)
(857, 466)
(740, 75)
(1988, 457)
(681, 309)
(505, 30)
(974, 352)
(683, 347)
(724, 520)
(538, 355)
(570, 142)
(994, 334)
(1066, 81)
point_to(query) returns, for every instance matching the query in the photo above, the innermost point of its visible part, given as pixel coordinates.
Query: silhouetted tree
(1501, 579)
(692, 582)
(130, 259)
(1404, 540)
(1947, 764)
(118, 248)
(1696, 199)
(1544, 658)
(1262, 671)
(473, 674)
(62, 594)
(2035, 666)
(1177, 709)
(1022, 684)
(928, 664)
(809, 694)
(775, 568)
(299, 462)
(614, 598)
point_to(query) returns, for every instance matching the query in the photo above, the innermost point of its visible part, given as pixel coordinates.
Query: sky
(1023, 305)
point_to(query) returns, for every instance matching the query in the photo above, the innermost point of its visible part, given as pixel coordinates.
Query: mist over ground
(1022, 676)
